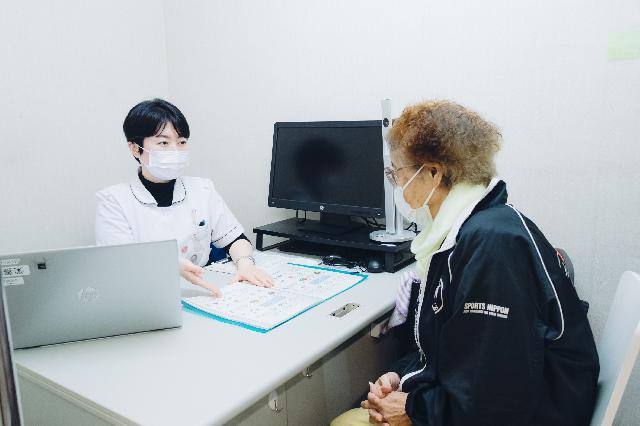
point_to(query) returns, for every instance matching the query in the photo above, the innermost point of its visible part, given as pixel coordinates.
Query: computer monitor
(331, 167)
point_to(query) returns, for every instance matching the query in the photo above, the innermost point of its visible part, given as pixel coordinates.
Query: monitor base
(353, 245)
(323, 228)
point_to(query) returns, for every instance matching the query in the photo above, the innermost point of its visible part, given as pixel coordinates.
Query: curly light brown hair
(447, 133)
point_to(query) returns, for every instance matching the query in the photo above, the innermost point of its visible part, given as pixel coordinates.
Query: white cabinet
(44, 406)
(262, 414)
(329, 387)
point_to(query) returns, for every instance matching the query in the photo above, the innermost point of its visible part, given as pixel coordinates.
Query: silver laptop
(73, 294)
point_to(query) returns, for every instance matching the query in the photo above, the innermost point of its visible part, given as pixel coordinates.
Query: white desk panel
(205, 372)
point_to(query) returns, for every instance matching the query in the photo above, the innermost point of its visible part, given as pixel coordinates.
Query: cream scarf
(430, 239)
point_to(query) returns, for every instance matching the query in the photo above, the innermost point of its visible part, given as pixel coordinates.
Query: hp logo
(88, 294)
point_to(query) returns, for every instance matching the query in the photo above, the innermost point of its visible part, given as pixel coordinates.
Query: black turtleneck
(163, 194)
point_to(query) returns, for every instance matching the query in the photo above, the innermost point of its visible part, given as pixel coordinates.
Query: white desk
(206, 372)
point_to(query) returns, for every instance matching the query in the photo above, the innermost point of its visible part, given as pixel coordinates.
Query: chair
(568, 268)
(568, 264)
(618, 348)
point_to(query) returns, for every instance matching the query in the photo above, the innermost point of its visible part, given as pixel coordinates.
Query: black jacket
(501, 337)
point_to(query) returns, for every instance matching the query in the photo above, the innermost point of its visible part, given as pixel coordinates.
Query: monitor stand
(353, 245)
(331, 224)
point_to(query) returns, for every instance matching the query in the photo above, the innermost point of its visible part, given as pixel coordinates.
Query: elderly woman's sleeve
(490, 355)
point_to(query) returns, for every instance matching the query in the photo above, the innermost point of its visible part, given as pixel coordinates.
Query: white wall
(69, 72)
(538, 69)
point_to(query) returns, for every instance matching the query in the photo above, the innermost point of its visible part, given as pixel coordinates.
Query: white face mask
(422, 215)
(167, 165)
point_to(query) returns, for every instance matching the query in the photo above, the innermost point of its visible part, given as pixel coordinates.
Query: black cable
(366, 221)
(375, 225)
(347, 263)
(415, 227)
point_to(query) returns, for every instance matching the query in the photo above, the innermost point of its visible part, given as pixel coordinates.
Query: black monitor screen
(334, 167)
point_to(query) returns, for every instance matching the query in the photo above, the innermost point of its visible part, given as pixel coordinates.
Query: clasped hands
(385, 403)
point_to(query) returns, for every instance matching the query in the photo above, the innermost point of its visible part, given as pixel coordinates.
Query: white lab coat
(198, 216)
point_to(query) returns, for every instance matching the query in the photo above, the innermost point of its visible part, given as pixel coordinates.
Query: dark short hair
(149, 118)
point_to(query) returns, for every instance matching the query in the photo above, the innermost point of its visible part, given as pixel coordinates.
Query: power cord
(415, 227)
(372, 226)
(333, 260)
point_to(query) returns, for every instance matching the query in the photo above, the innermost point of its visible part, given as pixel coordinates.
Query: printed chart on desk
(269, 262)
(298, 287)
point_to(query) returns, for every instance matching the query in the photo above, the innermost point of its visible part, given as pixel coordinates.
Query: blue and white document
(298, 287)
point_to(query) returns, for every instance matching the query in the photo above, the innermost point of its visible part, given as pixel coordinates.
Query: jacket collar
(495, 194)
(141, 193)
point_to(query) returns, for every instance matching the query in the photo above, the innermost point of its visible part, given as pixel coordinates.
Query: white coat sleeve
(224, 226)
(112, 227)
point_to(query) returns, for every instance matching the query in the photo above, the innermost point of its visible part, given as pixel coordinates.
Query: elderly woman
(501, 337)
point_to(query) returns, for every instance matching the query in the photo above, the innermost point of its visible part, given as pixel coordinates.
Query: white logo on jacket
(438, 300)
(486, 309)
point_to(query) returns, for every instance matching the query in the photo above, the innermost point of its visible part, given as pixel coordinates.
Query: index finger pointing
(205, 284)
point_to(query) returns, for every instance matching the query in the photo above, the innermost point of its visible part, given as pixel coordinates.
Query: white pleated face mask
(421, 215)
(167, 165)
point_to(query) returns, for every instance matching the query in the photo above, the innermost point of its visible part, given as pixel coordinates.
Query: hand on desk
(247, 271)
(385, 403)
(193, 273)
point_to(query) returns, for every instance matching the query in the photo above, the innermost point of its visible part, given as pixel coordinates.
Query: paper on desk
(269, 262)
(297, 289)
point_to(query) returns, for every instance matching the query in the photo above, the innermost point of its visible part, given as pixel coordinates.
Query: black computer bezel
(322, 207)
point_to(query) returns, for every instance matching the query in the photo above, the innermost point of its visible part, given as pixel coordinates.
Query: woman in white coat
(164, 204)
